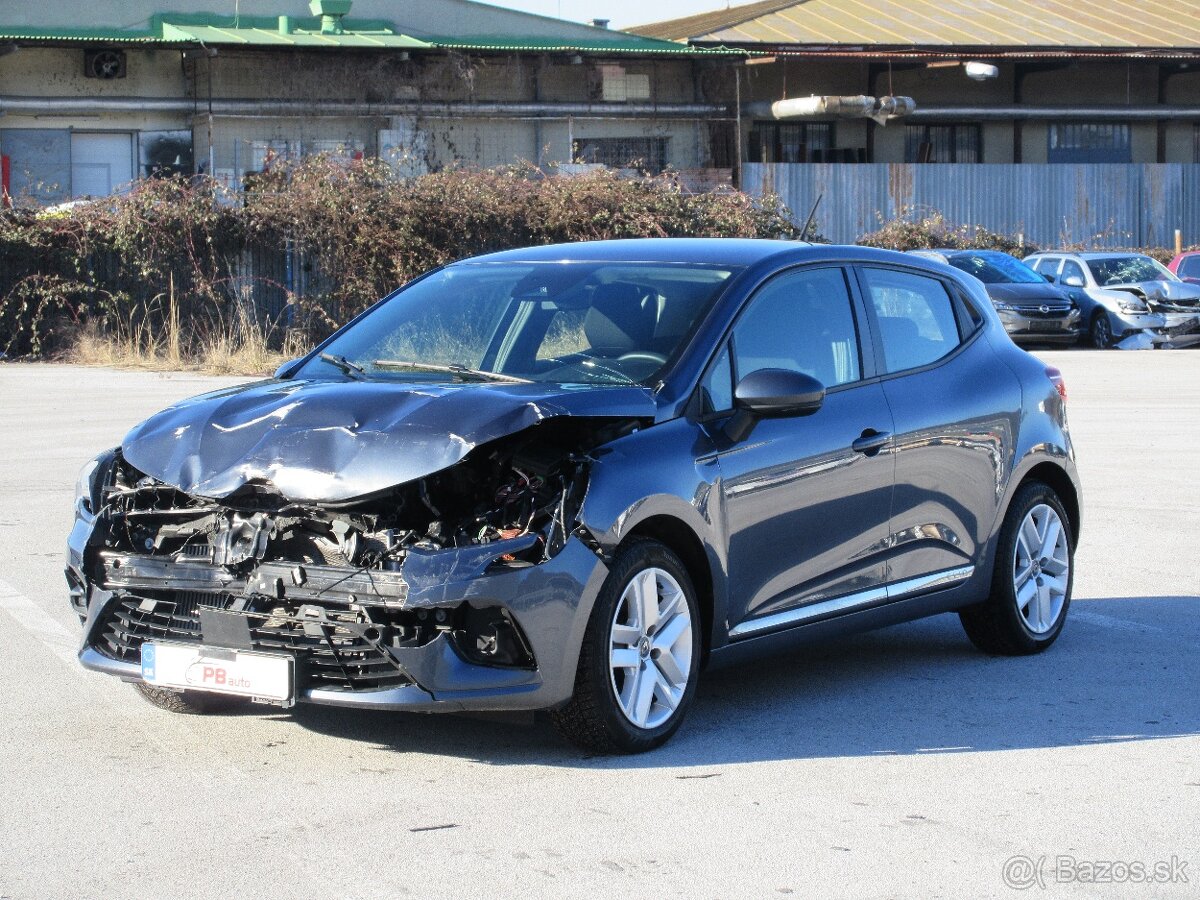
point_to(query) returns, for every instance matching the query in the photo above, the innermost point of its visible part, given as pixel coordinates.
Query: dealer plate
(261, 676)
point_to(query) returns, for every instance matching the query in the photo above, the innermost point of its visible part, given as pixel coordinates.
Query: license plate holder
(1045, 325)
(263, 677)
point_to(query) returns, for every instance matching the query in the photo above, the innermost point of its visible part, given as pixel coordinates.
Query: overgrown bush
(170, 267)
(179, 271)
(931, 231)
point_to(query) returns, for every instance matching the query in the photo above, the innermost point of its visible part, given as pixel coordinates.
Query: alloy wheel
(1041, 568)
(650, 648)
(1102, 336)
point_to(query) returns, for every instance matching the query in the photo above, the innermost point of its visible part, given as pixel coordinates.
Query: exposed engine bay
(327, 581)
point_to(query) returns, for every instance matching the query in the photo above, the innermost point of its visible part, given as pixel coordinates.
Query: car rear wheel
(1101, 332)
(196, 703)
(1031, 585)
(640, 657)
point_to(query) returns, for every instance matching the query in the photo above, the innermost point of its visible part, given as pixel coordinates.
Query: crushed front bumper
(1179, 330)
(549, 603)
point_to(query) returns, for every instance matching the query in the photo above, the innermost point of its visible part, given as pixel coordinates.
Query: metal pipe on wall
(68, 106)
(1059, 113)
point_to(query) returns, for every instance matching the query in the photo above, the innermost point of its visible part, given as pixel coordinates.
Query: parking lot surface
(898, 763)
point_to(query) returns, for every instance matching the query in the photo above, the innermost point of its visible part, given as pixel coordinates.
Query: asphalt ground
(897, 763)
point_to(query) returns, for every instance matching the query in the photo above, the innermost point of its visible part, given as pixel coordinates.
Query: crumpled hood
(1028, 294)
(333, 440)
(1173, 291)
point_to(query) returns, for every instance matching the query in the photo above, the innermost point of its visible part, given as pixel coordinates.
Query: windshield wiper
(454, 369)
(354, 370)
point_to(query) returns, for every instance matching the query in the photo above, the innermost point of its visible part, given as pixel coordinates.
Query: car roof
(962, 251)
(1092, 254)
(714, 251)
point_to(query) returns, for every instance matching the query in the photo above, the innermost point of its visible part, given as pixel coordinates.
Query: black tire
(996, 625)
(193, 703)
(593, 718)
(1100, 331)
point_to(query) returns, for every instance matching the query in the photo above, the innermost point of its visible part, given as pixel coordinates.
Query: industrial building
(92, 97)
(1064, 121)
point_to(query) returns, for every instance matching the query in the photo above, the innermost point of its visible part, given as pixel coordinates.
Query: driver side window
(802, 321)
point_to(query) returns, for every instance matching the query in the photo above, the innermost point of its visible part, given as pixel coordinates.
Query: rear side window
(1189, 267)
(1047, 265)
(917, 322)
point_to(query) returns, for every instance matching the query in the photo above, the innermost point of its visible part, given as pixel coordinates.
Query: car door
(806, 499)
(1077, 288)
(955, 411)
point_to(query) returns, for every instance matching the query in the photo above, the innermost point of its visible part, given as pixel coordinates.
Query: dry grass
(241, 347)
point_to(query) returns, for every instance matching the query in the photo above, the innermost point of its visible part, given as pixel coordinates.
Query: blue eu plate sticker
(148, 661)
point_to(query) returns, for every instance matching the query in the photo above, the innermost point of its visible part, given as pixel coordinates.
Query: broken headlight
(1133, 305)
(90, 481)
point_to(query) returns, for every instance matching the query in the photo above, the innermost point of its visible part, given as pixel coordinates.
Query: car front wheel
(195, 703)
(1101, 331)
(640, 657)
(1031, 585)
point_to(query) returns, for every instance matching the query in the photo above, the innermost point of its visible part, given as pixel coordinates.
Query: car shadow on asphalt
(1125, 669)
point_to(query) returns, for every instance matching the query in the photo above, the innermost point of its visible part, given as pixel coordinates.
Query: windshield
(1127, 270)
(996, 268)
(562, 322)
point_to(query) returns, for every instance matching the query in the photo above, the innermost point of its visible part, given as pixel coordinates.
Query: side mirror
(772, 393)
(1073, 281)
(287, 369)
(1049, 278)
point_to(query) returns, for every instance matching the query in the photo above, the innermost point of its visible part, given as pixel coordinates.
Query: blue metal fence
(1101, 205)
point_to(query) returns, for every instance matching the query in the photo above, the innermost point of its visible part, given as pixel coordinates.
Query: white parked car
(1127, 300)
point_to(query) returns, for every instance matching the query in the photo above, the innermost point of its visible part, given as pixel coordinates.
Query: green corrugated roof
(300, 32)
(258, 31)
(93, 35)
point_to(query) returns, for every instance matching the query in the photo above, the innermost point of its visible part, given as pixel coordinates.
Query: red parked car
(1187, 266)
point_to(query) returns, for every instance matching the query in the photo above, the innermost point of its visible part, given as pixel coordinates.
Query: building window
(790, 142)
(1089, 142)
(647, 154)
(620, 86)
(949, 143)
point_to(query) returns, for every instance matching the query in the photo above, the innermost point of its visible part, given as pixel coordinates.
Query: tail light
(1056, 379)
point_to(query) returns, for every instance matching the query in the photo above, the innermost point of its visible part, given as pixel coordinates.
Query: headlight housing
(1003, 307)
(1133, 305)
(90, 481)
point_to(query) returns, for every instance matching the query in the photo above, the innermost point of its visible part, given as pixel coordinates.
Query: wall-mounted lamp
(981, 71)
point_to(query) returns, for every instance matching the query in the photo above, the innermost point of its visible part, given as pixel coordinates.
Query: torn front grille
(332, 651)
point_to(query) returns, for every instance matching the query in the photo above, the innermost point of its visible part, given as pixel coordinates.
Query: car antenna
(808, 222)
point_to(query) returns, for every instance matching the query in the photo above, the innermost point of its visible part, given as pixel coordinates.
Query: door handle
(871, 442)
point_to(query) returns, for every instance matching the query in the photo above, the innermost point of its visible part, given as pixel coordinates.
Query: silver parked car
(1126, 299)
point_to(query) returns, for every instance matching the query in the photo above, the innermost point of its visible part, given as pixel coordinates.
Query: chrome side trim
(929, 582)
(803, 613)
(872, 597)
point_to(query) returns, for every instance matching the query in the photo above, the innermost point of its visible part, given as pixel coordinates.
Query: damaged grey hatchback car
(567, 478)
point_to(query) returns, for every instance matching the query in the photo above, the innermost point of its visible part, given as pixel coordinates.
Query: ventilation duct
(881, 109)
